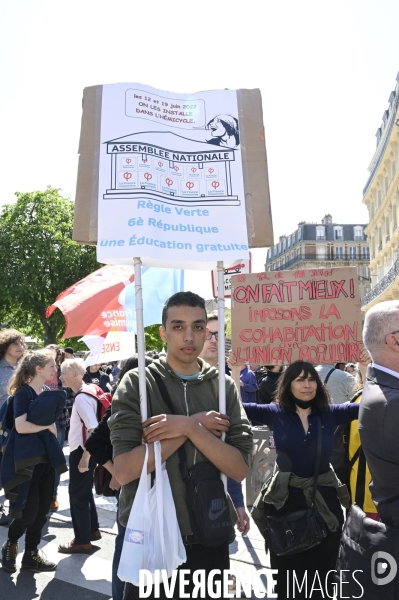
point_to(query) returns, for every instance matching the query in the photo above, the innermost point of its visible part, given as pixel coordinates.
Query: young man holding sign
(193, 387)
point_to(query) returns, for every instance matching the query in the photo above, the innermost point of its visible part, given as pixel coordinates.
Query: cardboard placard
(314, 315)
(254, 165)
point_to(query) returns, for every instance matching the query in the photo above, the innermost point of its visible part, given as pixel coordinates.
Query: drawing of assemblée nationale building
(157, 165)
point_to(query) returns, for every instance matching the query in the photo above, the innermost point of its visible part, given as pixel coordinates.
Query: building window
(366, 253)
(338, 233)
(321, 252)
(320, 233)
(299, 234)
(358, 232)
(352, 252)
(339, 252)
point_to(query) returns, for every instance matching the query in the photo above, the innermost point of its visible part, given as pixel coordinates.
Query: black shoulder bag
(207, 503)
(302, 529)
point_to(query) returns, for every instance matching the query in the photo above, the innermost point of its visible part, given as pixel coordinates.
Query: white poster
(170, 182)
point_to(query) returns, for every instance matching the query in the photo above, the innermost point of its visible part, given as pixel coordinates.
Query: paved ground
(88, 577)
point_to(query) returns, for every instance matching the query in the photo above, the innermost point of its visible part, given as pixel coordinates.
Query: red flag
(91, 305)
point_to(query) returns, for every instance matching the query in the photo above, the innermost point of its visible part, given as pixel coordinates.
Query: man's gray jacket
(379, 434)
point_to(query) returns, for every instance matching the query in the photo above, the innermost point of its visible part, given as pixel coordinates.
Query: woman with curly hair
(12, 347)
(302, 406)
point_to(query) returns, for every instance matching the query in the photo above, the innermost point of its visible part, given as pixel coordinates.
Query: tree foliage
(153, 339)
(38, 261)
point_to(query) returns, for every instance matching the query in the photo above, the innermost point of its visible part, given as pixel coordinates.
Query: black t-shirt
(98, 378)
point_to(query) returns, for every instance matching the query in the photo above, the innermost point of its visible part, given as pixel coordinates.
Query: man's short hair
(182, 299)
(214, 316)
(76, 364)
(381, 319)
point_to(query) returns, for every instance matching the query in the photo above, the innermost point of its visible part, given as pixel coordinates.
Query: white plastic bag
(152, 539)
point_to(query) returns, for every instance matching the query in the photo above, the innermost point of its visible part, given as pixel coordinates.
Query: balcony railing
(382, 285)
(306, 256)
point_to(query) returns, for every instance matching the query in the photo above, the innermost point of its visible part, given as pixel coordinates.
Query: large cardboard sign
(171, 191)
(186, 171)
(312, 315)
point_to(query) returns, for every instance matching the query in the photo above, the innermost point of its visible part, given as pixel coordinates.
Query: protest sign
(282, 316)
(173, 178)
(115, 345)
(241, 267)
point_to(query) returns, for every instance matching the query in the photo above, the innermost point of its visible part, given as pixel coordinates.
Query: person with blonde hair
(31, 455)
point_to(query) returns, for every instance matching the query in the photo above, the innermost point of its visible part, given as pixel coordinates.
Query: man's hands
(214, 422)
(243, 523)
(364, 361)
(164, 427)
(84, 462)
(114, 484)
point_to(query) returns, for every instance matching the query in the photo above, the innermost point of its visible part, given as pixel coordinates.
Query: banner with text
(282, 316)
(170, 178)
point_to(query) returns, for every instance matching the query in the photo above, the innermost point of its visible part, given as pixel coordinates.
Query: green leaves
(39, 260)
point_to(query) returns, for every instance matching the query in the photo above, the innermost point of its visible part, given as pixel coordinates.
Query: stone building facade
(381, 196)
(324, 244)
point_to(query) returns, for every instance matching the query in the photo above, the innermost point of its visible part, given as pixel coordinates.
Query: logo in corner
(380, 561)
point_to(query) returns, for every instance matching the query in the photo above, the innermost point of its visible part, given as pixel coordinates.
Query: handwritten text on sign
(310, 314)
(185, 114)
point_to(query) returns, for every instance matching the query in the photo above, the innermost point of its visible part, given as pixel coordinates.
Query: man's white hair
(76, 364)
(381, 319)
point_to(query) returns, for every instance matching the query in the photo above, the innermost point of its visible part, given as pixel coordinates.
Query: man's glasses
(212, 333)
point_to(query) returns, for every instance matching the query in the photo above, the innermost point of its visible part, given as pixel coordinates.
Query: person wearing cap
(69, 352)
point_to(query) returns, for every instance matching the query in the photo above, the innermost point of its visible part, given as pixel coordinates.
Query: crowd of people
(53, 396)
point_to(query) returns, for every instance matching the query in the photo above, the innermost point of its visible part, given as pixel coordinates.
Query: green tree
(153, 339)
(38, 261)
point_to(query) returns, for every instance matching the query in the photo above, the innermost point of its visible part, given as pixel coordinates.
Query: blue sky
(325, 70)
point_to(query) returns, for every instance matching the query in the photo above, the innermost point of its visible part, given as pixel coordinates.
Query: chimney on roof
(326, 219)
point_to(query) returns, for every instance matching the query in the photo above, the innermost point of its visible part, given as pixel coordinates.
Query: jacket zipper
(185, 396)
(188, 414)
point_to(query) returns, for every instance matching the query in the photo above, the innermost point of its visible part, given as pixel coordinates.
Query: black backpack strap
(361, 479)
(318, 459)
(328, 375)
(166, 398)
(354, 457)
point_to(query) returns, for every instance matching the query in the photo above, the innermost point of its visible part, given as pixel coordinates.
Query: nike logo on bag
(215, 511)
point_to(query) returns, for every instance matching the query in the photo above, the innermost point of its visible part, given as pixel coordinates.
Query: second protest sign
(311, 314)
